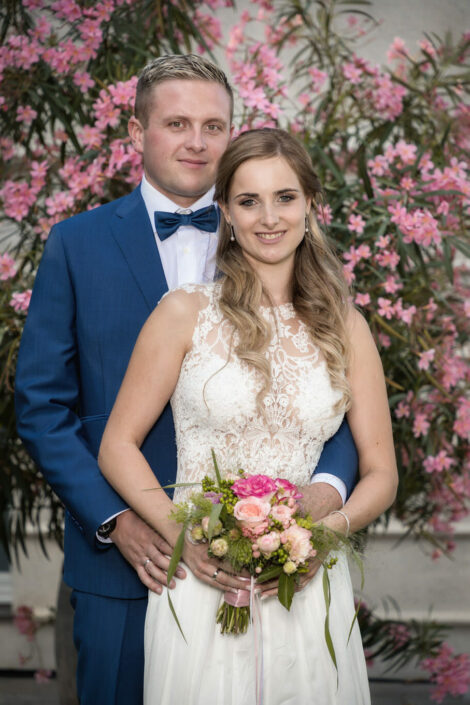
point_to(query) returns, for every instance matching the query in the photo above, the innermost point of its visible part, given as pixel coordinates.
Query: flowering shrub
(28, 625)
(390, 145)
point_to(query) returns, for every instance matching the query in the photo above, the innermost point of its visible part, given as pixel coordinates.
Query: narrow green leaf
(173, 612)
(216, 468)
(327, 596)
(285, 590)
(176, 555)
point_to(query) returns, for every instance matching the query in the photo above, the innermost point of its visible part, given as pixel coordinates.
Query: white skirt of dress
(216, 669)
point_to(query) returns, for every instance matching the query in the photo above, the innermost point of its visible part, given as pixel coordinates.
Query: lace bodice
(214, 402)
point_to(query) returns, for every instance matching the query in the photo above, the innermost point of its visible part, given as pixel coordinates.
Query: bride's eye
(247, 202)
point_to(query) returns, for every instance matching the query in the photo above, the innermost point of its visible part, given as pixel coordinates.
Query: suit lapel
(134, 235)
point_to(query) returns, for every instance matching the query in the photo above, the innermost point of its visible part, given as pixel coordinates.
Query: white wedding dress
(214, 406)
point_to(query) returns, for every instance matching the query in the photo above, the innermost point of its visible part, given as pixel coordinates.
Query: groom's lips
(193, 163)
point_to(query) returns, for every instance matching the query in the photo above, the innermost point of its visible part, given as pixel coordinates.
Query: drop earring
(306, 224)
(232, 233)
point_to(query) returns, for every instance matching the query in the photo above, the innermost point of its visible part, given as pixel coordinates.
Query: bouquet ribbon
(250, 598)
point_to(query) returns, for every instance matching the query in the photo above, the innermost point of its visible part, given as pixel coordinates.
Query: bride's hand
(211, 570)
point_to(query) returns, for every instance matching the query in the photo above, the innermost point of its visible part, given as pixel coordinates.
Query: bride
(260, 366)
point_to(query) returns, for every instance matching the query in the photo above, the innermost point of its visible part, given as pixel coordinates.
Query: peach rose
(251, 512)
(297, 541)
(282, 513)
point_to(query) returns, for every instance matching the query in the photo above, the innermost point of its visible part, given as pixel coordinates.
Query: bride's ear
(224, 209)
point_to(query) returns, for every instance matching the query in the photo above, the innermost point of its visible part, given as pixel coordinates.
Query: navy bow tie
(203, 219)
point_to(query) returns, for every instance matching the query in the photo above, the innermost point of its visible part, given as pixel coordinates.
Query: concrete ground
(25, 691)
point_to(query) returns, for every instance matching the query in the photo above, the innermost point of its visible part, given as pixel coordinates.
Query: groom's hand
(146, 551)
(319, 499)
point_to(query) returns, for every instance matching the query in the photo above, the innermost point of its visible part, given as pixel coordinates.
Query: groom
(101, 275)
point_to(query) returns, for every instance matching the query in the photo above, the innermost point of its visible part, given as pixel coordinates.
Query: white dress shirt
(187, 256)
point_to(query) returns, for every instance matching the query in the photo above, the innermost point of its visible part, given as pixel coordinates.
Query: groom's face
(187, 131)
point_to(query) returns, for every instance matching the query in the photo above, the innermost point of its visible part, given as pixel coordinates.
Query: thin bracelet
(345, 516)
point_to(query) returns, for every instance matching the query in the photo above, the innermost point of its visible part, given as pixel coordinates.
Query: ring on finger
(146, 562)
(215, 574)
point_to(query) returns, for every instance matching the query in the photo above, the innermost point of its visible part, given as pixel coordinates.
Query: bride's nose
(269, 216)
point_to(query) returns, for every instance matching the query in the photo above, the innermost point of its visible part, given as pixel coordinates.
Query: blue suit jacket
(99, 279)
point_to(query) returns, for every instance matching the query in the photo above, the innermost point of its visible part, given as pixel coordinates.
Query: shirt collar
(155, 200)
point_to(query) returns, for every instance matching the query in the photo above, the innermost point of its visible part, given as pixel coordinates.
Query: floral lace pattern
(214, 403)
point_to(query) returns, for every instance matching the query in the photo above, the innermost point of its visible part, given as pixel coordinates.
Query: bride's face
(267, 209)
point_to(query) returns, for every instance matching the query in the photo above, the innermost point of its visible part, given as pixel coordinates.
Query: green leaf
(174, 560)
(176, 555)
(216, 468)
(213, 519)
(173, 612)
(327, 596)
(285, 590)
(269, 573)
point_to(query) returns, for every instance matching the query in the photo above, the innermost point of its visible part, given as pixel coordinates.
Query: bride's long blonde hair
(319, 289)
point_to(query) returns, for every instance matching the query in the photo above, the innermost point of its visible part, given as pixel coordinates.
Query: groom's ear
(136, 133)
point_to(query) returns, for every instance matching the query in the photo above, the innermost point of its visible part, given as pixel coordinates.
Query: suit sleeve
(339, 457)
(47, 396)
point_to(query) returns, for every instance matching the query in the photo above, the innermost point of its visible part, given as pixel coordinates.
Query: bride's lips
(271, 238)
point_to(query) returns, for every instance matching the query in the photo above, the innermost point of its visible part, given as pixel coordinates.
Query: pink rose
(297, 541)
(251, 512)
(269, 543)
(282, 513)
(254, 486)
(287, 489)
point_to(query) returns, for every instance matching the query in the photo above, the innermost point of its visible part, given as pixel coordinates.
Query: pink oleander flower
(296, 540)
(425, 359)
(325, 214)
(450, 672)
(438, 463)
(254, 486)
(318, 78)
(420, 425)
(386, 308)
(20, 300)
(252, 513)
(24, 622)
(8, 267)
(83, 80)
(356, 224)
(352, 73)
(268, 543)
(26, 114)
(362, 299)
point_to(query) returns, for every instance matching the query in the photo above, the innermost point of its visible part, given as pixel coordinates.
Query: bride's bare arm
(150, 379)
(369, 419)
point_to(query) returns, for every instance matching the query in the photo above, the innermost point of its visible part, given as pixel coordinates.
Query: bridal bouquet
(254, 523)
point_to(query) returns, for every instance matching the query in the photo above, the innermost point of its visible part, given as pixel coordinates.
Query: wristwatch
(107, 528)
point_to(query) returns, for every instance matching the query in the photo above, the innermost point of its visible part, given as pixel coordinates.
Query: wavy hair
(319, 289)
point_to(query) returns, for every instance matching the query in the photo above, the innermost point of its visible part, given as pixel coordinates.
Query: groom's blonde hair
(181, 67)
